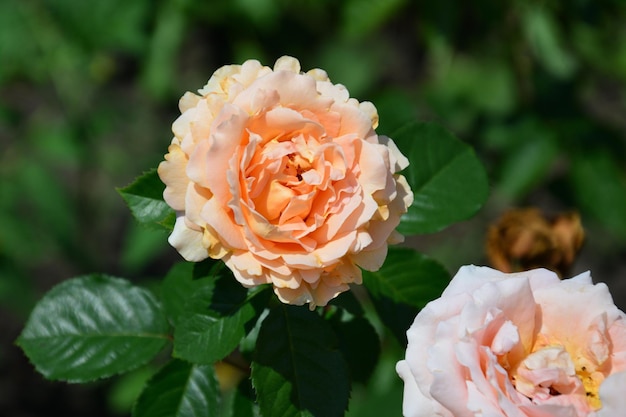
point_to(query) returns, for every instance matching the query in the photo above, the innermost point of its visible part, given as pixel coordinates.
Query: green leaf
(297, 369)
(180, 288)
(93, 327)
(448, 181)
(359, 343)
(145, 200)
(407, 281)
(216, 319)
(180, 389)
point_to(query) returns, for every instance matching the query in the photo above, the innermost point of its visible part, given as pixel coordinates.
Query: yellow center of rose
(550, 370)
(591, 382)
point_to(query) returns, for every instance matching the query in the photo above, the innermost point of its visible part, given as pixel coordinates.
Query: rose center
(297, 165)
(550, 371)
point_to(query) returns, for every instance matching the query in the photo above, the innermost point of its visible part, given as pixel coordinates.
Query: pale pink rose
(282, 176)
(516, 345)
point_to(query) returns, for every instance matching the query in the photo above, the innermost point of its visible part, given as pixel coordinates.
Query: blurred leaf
(55, 142)
(396, 108)
(215, 320)
(50, 201)
(159, 69)
(126, 389)
(599, 185)
(297, 370)
(361, 17)
(544, 38)
(526, 167)
(92, 22)
(469, 85)
(526, 151)
(142, 245)
(502, 137)
(465, 86)
(21, 238)
(180, 389)
(93, 327)
(594, 48)
(264, 13)
(407, 281)
(359, 344)
(145, 200)
(16, 290)
(16, 57)
(449, 183)
(351, 64)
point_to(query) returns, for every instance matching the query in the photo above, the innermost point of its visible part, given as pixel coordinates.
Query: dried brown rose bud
(524, 238)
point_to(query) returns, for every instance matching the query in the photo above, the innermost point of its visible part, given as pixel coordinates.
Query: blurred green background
(89, 89)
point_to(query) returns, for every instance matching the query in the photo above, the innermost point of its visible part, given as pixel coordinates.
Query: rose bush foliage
(523, 344)
(282, 175)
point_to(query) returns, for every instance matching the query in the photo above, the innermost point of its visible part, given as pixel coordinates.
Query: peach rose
(282, 176)
(523, 344)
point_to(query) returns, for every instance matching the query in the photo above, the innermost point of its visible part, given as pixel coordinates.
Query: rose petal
(188, 242)
(172, 173)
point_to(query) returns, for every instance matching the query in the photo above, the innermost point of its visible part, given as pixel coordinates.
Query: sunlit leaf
(216, 319)
(180, 389)
(145, 200)
(93, 327)
(297, 369)
(448, 181)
